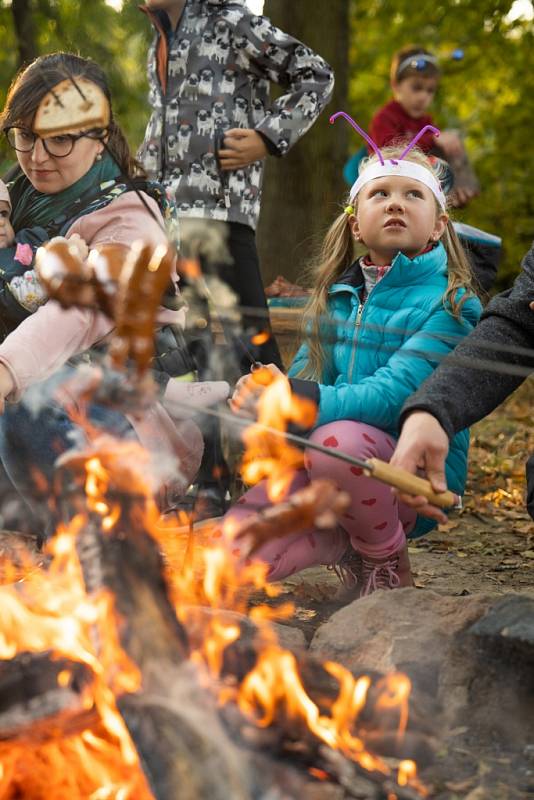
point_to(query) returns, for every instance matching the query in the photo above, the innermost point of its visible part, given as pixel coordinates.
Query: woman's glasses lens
(23, 140)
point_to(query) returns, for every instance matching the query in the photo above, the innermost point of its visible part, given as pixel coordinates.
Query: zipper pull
(227, 201)
(359, 315)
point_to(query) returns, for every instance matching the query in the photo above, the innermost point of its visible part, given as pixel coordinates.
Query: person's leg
(530, 486)
(291, 553)
(375, 521)
(243, 275)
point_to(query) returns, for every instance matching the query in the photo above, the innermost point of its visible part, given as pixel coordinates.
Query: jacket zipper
(357, 325)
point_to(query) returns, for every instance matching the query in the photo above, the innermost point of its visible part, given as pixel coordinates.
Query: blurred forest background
(486, 96)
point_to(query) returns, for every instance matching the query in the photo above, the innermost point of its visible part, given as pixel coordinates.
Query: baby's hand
(7, 234)
(80, 245)
(74, 242)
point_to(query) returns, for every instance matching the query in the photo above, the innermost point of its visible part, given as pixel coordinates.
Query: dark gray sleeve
(488, 365)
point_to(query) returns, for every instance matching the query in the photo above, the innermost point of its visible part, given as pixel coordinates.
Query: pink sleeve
(122, 221)
(44, 341)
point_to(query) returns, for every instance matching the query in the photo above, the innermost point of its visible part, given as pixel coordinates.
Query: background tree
(303, 189)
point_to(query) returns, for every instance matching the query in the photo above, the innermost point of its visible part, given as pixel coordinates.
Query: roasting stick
(372, 467)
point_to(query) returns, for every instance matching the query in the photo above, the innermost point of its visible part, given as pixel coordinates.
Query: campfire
(129, 606)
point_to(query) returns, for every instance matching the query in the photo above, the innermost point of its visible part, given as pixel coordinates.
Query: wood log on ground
(42, 698)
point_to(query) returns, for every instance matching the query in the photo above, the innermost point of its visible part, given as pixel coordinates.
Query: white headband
(404, 169)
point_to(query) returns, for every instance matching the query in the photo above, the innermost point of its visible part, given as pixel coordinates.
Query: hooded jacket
(213, 74)
(380, 351)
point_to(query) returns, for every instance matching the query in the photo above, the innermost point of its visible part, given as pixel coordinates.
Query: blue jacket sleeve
(377, 399)
(280, 58)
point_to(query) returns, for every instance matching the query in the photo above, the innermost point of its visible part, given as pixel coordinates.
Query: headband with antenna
(394, 166)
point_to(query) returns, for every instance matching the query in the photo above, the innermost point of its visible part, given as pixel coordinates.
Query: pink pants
(375, 523)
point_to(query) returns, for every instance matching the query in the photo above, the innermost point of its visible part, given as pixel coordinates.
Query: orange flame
(267, 455)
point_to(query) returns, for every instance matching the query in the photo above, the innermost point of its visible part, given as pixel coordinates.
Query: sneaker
(393, 572)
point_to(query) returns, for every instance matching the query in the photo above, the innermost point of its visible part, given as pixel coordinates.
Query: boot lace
(380, 575)
(348, 569)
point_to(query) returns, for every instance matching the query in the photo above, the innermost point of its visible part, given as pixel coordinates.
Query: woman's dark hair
(33, 82)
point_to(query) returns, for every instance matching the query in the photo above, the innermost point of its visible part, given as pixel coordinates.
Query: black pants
(244, 278)
(530, 486)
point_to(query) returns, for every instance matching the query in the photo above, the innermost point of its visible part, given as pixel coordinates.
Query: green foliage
(486, 95)
(118, 41)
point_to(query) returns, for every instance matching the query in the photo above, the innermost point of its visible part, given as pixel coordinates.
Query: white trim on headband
(404, 169)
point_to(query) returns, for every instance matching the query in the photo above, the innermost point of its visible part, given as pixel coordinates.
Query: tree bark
(24, 30)
(304, 189)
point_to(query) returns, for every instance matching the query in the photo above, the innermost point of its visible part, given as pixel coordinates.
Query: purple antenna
(366, 136)
(416, 138)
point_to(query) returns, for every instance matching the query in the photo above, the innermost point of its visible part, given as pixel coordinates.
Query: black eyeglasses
(23, 140)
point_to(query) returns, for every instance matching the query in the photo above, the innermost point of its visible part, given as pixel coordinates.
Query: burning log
(318, 505)
(42, 698)
(126, 560)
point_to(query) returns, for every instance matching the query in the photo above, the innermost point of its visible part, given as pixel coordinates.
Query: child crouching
(375, 329)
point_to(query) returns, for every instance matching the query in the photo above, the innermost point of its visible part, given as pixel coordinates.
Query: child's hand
(249, 389)
(451, 144)
(242, 146)
(7, 234)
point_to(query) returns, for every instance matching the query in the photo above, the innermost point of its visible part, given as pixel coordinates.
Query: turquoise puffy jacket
(381, 351)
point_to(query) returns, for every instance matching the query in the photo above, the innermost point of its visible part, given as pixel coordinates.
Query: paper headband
(394, 166)
(418, 61)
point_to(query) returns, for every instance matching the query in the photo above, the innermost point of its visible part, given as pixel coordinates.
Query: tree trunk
(24, 30)
(303, 190)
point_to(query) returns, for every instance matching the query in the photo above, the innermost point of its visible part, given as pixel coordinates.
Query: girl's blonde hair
(338, 252)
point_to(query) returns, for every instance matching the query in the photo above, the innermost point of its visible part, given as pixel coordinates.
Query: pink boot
(391, 572)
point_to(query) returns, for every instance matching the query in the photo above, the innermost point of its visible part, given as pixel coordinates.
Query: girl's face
(396, 214)
(51, 175)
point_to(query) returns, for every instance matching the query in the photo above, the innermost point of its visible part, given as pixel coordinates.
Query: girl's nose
(395, 204)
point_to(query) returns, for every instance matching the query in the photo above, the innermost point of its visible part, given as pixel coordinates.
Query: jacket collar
(403, 270)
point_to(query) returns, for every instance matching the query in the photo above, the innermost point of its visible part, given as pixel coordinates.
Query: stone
(509, 623)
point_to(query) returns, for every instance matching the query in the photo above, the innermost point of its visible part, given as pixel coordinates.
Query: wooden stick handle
(411, 484)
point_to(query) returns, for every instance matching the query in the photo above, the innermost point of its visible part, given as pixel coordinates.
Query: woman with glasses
(78, 185)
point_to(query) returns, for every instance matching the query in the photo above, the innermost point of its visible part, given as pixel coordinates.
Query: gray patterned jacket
(216, 72)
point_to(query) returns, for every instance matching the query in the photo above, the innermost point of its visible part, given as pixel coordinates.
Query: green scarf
(32, 208)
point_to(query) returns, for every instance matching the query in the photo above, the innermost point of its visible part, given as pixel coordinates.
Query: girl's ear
(439, 226)
(355, 227)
